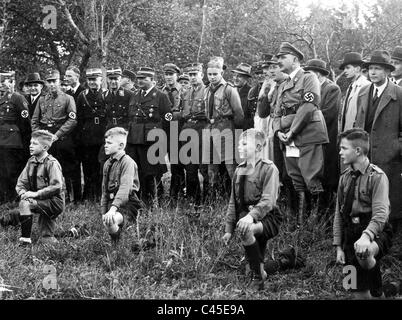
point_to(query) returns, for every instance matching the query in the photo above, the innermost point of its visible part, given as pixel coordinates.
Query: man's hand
(362, 246)
(340, 255)
(244, 224)
(55, 138)
(282, 136)
(226, 238)
(108, 217)
(29, 195)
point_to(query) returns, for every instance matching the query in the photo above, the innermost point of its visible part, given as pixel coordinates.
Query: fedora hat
(317, 65)
(381, 58)
(34, 78)
(244, 69)
(397, 53)
(351, 58)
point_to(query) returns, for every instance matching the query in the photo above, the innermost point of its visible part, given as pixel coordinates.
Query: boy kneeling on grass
(40, 188)
(120, 184)
(255, 188)
(362, 234)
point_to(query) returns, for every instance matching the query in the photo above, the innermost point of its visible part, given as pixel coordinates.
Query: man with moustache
(128, 79)
(91, 116)
(241, 76)
(300, 126)
(380, 114)
(150, 109)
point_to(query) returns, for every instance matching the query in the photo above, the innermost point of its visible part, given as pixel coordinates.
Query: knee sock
(26, 226)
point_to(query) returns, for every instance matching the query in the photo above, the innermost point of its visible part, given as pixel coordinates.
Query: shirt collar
(294, 72)
(381, 88)
(118, 155)
(74, 90)
(148, 91)
(41, 158)
(363, 167)
(33, 98)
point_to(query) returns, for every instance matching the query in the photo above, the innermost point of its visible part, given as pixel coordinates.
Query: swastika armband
(309, 97)
(72, 115)
(168, 116)
(24, 114)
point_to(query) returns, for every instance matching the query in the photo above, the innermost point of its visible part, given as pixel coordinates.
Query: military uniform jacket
(117, 105)
(176, 103)
(261, 191)
(297, 110)
(247, 109)
(148, 112)
(227, 105)
(49, 177)
(56, 113)
(370, 202)
(252, 97)
(15, 127)
(91, 114)
(193, 104)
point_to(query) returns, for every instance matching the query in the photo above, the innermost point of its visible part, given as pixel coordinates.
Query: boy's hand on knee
(362, 246)
(340, 255)
(226, 238)
(29, 194)
(244, 224)
(107, 218)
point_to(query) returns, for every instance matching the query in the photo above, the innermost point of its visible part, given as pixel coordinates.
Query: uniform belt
(220, 118)
(289, 110)
(195, 120)
(8, 121)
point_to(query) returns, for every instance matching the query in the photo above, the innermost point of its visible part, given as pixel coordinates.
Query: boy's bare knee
(368, 263)
(25, 208)
(248, 237)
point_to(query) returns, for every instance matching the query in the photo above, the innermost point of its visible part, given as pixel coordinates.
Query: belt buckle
(96, 120)
(114, 120)
(355, 220)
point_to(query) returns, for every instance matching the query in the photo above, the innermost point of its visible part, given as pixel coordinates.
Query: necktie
(350, 194)
(212, 101)
(375, 96)
(171, 98)
(112, 161)
(34, 177)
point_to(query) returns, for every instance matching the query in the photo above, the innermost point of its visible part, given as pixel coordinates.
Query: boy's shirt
(370, 198)
(261, 189)
(120, 179)
(49, 177)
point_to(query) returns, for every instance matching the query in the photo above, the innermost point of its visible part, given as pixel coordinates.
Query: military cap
(244, 69)
(34, 78)
(93, 73)
(144, 72)
(317, 65)
(113, 72)
(7, 75)
(129, 74)
(268, 59)
(183, 77)
(381, 58)
(287, 48)
(193, 67)
(354, 58)
(397, 53)
(216, 62)
(52, 75)
(171, 67)
(74, 69)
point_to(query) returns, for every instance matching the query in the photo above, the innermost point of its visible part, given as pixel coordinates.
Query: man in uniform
(14, 137)
(127, 80)
(150, 109)
(330, 106)
(224, 113)
(172, 89)
(35, 85)
(184, 81)
(241, 76)
(90, 132)
(57, 113)
(300, 126)
(72, 77)
(194, 117)
(396, 61)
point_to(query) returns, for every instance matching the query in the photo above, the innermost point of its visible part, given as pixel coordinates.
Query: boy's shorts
(270, 225)
(50, 207)
(130, 209)
(370, 279)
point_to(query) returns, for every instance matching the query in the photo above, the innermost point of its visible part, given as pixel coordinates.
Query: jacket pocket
(10, 136)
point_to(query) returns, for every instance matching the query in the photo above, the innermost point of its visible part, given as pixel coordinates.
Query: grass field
(188, 261)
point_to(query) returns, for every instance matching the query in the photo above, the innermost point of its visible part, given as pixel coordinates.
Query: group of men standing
(300, 110)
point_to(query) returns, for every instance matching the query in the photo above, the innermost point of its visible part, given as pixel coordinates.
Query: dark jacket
(247, 109)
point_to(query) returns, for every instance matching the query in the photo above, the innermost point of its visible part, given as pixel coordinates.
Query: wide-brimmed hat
(287, 48)
(244, 69)
(354, 58)
(381, 58)
(397, 53)
(34, 78)
(317, 65)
